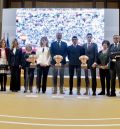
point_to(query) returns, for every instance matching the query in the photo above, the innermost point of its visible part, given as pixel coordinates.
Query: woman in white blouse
(4, 52)
(43, 64)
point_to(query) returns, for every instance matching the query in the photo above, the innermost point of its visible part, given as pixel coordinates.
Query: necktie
(115, 47)
(58, 43)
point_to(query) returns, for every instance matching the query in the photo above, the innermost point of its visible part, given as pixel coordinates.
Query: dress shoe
(94, 94)
(113, 95)
(101, 93)
(70, 93)
(108, 94)
(43, 92)
(25, 91)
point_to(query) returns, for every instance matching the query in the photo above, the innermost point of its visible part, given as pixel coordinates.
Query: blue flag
(7, 42)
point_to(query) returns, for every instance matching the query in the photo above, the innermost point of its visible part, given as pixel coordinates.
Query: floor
(47, 111)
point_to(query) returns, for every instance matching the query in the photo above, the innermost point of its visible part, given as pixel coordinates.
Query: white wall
(9, 23)
(111, 23)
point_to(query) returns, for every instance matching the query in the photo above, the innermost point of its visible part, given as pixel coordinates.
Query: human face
(105, 46)
(3, 44)
(89, 38)
(59, 36)
(15, 44)
(75, 41)
(44, 43)
(115, 38)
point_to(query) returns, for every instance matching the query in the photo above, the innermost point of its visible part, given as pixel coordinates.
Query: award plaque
(58, 59)
(83, 60)
(32, 59)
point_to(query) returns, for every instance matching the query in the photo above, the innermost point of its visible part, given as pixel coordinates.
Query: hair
(28, 47)
(106, 42)
(74, 37)
(115, 35)
(44, 38)
(89, 34)
(1, 42)
(13, 43)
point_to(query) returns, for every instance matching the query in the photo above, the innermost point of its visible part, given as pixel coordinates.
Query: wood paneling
(28, 4)
(99, 4)
(62, 4)
(112, 5)
(16, 5)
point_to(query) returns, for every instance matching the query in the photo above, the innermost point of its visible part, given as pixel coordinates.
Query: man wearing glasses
(91, 50)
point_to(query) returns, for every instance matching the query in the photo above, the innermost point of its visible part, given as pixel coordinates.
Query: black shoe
(108, 94)
(25, 91)
(43, 92)
(94, 94)
(113, 95)
(1, 89)
(70, 93)
(101, 93)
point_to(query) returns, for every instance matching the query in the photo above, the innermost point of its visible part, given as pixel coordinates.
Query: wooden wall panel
(99, 4)
(112, 5)
(16, 5)
(62, 4)
(28, 4)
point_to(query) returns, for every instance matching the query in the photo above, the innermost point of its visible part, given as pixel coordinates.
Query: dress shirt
(43, 55)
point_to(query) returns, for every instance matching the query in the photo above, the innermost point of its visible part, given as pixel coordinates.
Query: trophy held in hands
(32, 59)
(83, 60)
(58, 59)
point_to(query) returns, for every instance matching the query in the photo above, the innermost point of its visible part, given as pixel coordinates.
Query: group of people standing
(106, 60)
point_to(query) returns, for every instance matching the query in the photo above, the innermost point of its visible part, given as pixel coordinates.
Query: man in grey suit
(114, 63)
(58, 48)
(91, 50)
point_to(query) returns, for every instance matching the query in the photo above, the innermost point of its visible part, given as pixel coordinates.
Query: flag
(7, 42)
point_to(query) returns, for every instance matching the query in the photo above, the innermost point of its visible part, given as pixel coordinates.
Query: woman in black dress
(15, 66)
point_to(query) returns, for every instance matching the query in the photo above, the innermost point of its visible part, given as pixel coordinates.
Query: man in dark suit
(58, 48)
(74, 52)
(114, 63)
(91, 50)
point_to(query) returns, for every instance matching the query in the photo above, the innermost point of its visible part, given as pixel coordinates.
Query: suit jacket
(55, 49)
(15, 59)
(107, 58)
(91, 52)
(74, 53)
(112, 54)
(6, 52)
